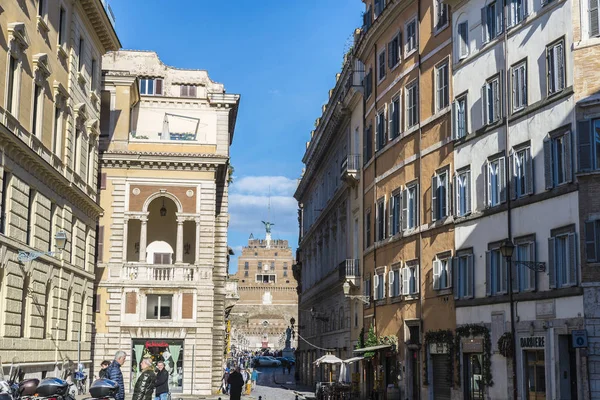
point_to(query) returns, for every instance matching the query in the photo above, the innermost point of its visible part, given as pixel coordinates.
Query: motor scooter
(57, 388)
(13, 390)
(104, 389)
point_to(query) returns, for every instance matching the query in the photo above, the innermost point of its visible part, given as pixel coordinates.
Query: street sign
(579, 338)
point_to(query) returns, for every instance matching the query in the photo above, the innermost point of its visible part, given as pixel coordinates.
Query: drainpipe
(374, 187)
(419, 180)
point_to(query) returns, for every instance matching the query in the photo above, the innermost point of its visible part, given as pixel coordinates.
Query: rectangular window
(518, 11)
(285, 265)
(463, 275)
(409, 207)
(272, 265)
(41, 8)
(557, 159)
(61, 27)
(368, 83)
(412, 104)
(81, 46)
(463, 40)
(410, 280)
(519, 87)
(492, 21)
(440, 192)
(38, 99)
(380, 219)
(162, 258)
(524, 279)
(378, 287)
(151, 86)
(158, 306)
(260, 265)
(246, 265)
(555, 63)
(441, 273)
(442, 86)
(368, 229)
(441, 14)
(379, 6)
(245, 274)
(460, 117)
(592, 241)
(99, 243)
(394, 118)
(30, 214)
(368, 144)
(562, 258)
(594, 29)
(463, 193)
(4, 211)
(285, 273)
(381, 66)
(496, 182)
(411, 36)
(394, 49)
(496, 273)
(188, 90)
(394, 282)
(93, 75)
(588, 137)
(395, 204)
(12, 89)
(380, 126)
(367, 289)
(491, 100)
(522, 173)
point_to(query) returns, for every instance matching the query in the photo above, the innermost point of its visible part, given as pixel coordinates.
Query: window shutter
(560, 66)
(187, 306)
(375, 286)
(100, 246)
(158, 84)
(548, 164)
(504, 274)
(484, 107)
(515, 276)
(455, 277)
(377, 142)
(584, 138)
(434, 200)
(399, 49)
(572, 259)
(499, 17)
(529, 172)
(130, 303)
(532, 274)
(390, 47)
(488, 185)
(568, 157)
(524, 85)
(183, 91)
(468, 191)
(502, 178)
(405, 210)
(512, 163)
(488, 273)
(192, 91)
(470, 278)
(391, 120)
(405, 281)
(97, 300)
(551, 264)
(590, 241)
(454, 121)
(484, 23)
(594, 29)
(390, 283)
(436, 274)
(448, 194)
(498, 101)
(456, 197)
(512, 12)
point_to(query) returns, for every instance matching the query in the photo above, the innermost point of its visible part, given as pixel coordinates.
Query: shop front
(170, 351)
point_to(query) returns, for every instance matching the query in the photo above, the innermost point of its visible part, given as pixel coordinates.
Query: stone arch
(168, 195)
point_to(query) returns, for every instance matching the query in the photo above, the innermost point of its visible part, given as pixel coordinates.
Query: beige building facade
(267, 295)
(162, 240)
(49, 100)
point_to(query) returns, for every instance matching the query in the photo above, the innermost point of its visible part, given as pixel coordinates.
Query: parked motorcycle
(10, 389)
(104, 389)
(56, 388)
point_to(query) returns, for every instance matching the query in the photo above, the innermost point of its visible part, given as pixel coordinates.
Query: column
(143, 236)
(197, 241)
(125, 233)
(179, 251)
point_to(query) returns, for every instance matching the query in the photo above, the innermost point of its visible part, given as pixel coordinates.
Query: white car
(264, 361)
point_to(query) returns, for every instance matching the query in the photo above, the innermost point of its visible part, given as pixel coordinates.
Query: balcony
(109, 12)
(159, 273)
(350, 169)
(349, 271)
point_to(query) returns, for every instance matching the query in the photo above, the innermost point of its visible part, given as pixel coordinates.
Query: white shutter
(390, 214)
(390, 120)
(502, 178)
(484, 22)
(499, 17)
(468, 191)
(512, 176)
(434, 199)
(456, 195)
(417, 281)
(594, 26)
(375, 286)
(390, 283)
(560, 66)
(454, 121)
(484, 105)
(488, 200)
(405, 280)
(405, 209)
(436, 274)
(529, 173)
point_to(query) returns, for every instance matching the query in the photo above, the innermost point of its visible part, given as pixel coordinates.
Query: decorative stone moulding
(189, 193)
(135, 191)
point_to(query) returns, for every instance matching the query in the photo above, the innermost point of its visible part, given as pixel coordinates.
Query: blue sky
(282, 57)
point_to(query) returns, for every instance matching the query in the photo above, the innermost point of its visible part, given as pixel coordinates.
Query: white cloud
(279, 185)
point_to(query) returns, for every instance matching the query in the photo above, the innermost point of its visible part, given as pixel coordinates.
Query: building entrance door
(535, 374)
(441, 385)
(472, 376)
(567, 368)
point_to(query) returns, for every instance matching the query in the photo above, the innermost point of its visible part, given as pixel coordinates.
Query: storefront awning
(373, 348)
(353, 359)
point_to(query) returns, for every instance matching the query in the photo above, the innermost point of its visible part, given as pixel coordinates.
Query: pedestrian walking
(254, 376)
(283, 366)
(236, 383)
(103, 367)
(225, 381)
(289, 368)
(113, 372)
(144, 386)
(162, 382)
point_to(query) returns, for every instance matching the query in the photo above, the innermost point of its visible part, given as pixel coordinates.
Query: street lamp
(346, 287)
(60, 242)
(507, 249)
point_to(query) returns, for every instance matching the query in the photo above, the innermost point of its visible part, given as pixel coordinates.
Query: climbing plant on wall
(445, 337)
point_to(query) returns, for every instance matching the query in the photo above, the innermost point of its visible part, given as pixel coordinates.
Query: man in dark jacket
(162, 382)
(113, 372)
(144, 387)
(236, 384)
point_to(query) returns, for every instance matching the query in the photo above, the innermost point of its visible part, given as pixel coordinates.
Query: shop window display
(169, 351)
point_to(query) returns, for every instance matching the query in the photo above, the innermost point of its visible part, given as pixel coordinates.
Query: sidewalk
(289, 382)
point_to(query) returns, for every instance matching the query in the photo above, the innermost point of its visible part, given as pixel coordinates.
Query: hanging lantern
(163, 209)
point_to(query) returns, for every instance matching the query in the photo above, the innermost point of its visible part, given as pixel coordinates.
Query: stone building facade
(162, 240)
(267, 295)
(330, 197)
(49, 100)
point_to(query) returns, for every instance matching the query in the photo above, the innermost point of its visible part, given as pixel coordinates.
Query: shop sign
(438, 348)
(472, 345)
(533, 342)
(156, 344)
(580, 339)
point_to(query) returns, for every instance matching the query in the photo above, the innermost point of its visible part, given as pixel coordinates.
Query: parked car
(287, 360)
(263, 361)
